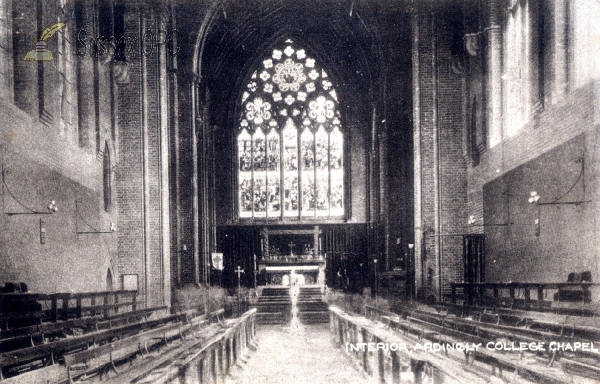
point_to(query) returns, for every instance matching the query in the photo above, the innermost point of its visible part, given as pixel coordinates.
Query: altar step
(311, 307)
(274, 306)
(276, 292)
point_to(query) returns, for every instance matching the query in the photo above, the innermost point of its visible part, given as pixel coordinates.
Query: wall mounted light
(52, 207)
(534, 199)
(111, 228)
(472, 222)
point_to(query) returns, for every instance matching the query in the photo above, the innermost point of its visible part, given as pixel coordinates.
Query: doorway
(474, 258)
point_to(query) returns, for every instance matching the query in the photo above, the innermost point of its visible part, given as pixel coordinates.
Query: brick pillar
(196, 122)
(178, 245)
(142, 189)
(164, 147)
(440, 167)
(418, 177)
(185, 182)
(452, 162)
(426, 161)
(492, 41)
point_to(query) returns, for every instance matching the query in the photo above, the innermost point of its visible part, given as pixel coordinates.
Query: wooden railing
(24, 308)
(532, 296)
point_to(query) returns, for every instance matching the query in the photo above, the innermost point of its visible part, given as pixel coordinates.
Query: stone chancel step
(274, 306)
(311, 308)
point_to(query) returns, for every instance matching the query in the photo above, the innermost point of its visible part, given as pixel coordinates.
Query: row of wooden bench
(398, 360)
(93, 351)
(448, 328)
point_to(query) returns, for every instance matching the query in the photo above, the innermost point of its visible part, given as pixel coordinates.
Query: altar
(292, 255)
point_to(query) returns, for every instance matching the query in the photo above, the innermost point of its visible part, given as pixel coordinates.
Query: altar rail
(530, 296)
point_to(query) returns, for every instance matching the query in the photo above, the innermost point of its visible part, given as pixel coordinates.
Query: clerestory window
(290, 140)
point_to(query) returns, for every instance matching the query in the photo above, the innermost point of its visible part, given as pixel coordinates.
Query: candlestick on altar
(255, 272)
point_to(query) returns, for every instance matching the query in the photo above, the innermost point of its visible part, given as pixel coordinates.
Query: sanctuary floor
(296, 353)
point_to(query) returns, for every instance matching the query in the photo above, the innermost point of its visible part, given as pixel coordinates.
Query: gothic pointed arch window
(290, 140)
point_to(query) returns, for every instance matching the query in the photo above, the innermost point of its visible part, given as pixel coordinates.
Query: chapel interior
(185, 182)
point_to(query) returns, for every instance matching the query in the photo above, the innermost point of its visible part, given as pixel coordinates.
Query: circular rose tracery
(289, 75)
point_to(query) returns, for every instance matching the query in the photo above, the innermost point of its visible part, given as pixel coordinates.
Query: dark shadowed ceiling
(353, 40)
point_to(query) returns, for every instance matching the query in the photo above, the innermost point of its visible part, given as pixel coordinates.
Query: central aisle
(296, 353)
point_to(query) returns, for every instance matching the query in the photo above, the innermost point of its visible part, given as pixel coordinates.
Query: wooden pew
(476, 330)
(221, 346)
(38, 334)
(54, 350)
(217, 316)
(477, 362)
(94, 359)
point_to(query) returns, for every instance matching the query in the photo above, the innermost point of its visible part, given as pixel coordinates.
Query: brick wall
(453, 170)
(534, 157)
(143, 246)
(440, 165)
(43, 163)
(534, 160)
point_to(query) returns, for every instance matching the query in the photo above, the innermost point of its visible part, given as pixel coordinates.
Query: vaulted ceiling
(355, 41)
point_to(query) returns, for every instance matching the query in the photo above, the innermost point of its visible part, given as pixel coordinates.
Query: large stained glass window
(290, 140)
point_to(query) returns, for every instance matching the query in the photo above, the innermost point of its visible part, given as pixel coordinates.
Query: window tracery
(290, 140)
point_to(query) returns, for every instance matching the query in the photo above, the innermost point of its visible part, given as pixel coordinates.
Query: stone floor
(296, 353)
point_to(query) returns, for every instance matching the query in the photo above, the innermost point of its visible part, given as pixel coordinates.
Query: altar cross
(292, 245)
(239, 271)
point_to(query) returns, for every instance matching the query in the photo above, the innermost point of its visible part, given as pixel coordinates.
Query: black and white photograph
(300, 191)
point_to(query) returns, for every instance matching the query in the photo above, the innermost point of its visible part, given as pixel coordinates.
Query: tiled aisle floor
(296, 353)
